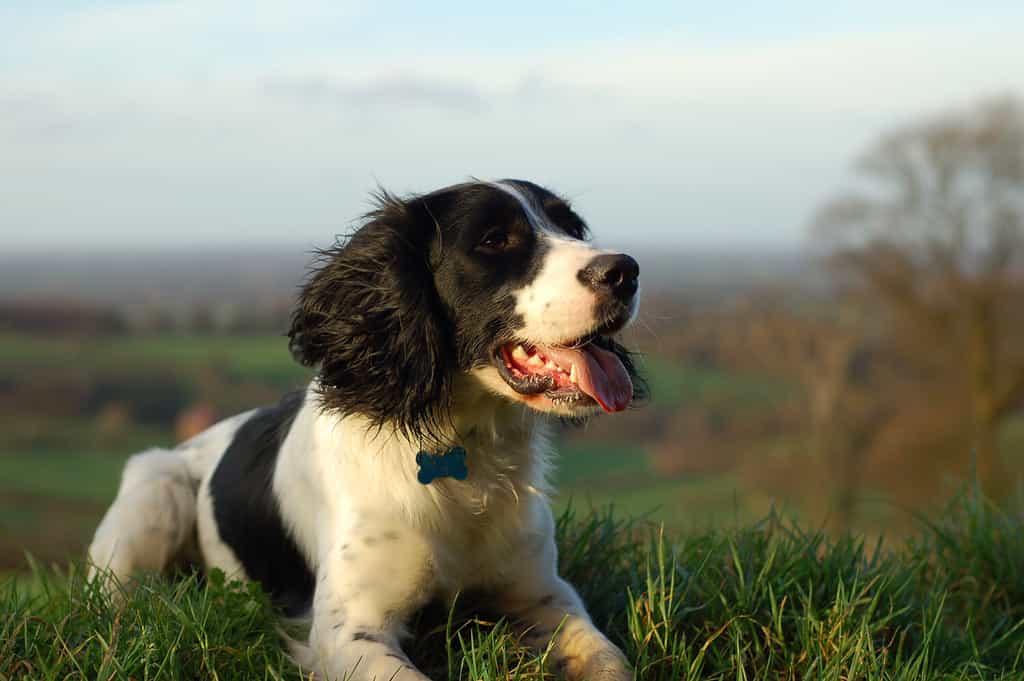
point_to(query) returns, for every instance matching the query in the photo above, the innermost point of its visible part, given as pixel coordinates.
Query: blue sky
(152, 124)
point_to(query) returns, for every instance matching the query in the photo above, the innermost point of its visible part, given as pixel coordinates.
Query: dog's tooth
(551, 365)
(536, 361)
(519, 353)
(572, 374)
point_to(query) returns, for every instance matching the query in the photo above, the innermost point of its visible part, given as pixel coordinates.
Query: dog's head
(493, 280)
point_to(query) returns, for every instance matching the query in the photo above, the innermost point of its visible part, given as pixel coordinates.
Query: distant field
(673, 384)
(59, 467)
(266, 359)
(593, 475)
(253, 358)
(71, 476)
(60, 463)
(51, 502)
(57, 472)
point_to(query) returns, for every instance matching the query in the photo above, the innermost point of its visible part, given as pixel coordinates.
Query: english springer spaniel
(446, 332)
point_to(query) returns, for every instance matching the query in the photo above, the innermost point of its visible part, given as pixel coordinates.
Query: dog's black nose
(616, 274)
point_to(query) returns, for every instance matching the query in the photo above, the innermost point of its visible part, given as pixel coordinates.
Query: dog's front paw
(604, 665)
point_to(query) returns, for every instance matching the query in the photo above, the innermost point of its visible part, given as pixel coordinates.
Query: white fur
(380, 543)
(151, 523)
(556, 306)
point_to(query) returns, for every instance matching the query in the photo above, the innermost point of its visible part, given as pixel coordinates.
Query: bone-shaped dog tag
(451, 464)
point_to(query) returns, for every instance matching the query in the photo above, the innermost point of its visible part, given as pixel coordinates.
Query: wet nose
(613, 274)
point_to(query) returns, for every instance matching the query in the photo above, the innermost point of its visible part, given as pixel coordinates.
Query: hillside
(766, 601)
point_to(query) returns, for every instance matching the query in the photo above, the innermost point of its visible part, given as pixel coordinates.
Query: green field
(252, 358)
(74, 477)
(593, 475)
(61, 452)
(673, 384)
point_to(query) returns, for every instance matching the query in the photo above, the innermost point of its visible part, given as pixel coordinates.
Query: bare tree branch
(938, 241)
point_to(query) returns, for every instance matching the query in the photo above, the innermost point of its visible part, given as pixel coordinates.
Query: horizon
(201, 275)
(290, 249)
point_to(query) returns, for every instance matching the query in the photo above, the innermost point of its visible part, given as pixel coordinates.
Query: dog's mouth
(574, 373)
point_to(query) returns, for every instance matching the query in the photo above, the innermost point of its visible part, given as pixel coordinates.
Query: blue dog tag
(451, 464)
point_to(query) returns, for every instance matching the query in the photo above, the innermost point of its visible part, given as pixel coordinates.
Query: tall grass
(768, 601)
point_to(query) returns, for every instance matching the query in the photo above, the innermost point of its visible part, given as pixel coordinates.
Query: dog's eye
(495, 241)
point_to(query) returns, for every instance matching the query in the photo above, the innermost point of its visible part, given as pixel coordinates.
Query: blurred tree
(934, 235)
(826, 351)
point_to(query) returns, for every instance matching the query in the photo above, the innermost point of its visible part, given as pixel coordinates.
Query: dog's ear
(371, 319)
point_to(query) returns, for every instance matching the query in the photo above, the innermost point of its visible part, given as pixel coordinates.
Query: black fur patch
(247, 514)
(371, 319)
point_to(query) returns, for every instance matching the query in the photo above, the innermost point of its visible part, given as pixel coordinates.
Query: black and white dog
(432, 327)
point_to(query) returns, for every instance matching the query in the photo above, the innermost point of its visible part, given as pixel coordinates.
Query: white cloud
(657, 137)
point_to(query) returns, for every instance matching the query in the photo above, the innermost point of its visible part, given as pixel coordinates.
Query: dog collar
(451, 464)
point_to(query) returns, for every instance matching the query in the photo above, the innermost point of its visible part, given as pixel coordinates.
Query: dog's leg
(550, 612)
(150, 522)
(369, 583)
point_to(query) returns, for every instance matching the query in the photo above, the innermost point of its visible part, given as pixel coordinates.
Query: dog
(448, 331)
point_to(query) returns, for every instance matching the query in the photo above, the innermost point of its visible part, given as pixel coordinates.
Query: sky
(150, 124)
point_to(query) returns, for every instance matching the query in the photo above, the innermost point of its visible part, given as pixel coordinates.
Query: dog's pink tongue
(599, 373)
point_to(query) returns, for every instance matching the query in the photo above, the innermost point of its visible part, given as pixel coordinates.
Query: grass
(766, 601)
